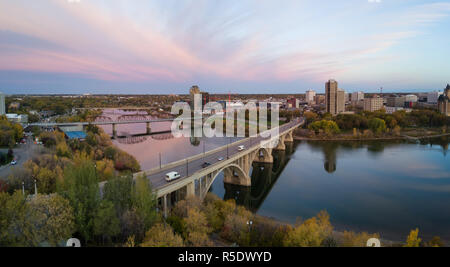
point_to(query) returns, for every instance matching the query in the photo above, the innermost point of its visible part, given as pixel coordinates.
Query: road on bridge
(185, 170)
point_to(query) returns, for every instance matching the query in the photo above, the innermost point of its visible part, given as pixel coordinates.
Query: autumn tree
(435, 242)
(352, 239)
(162, 235)
(197, 228)
(413, 239)
(15, 229)
(311, 233)
(53, 219)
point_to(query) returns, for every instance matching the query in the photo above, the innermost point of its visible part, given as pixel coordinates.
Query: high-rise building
(373, 104)
(319, 99)
(310, 96)
(195, 90)
(340, 101)
(2, 104)
(293, 102)
(334, 98)
(432, 97)
(444, 101)
(357, 96)
(396, 101)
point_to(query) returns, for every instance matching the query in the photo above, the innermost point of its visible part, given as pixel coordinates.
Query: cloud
(176, 41)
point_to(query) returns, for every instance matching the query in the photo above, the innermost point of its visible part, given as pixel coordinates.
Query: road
(158, 179)
(22, 153)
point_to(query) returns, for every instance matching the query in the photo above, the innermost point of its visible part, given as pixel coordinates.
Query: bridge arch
(233, 174)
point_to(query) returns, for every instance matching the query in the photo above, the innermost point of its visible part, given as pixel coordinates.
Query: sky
(237, 46)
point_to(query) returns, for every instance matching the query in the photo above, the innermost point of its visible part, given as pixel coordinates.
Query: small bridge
(108, 121)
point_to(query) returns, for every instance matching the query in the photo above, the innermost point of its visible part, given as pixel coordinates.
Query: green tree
(144, 201)
(327, 126)
(106, 223)
(377, 125)
(80, 187)
(118, 190)
(15, 229)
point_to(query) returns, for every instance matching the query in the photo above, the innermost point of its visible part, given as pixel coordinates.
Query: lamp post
(249, 223)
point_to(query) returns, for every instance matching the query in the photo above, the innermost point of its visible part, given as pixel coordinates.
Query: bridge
(197, 179)
(104, 121)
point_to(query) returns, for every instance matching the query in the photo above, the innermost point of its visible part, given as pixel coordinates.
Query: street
(22, 153)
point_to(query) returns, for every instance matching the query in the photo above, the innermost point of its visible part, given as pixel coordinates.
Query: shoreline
(402, 137)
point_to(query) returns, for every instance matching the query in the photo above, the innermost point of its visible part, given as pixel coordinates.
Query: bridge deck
(193, 165)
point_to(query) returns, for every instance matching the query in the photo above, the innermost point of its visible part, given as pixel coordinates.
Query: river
(387, 187)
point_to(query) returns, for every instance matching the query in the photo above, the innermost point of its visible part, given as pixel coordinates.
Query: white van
(240, 148)
(172, 176)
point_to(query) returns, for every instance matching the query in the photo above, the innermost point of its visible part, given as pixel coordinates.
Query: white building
(390, 110)
(17, 118)
(432, 97)
(310, 96)
(411, 98)
(373, 104)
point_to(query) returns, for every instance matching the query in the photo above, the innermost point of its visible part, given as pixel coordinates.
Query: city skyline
(157, 47)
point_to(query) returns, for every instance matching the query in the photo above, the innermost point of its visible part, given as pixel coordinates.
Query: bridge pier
(190, 189)
(114, 131)
(281, 145)
(164, 206)
(148, 131)
(237, 177)
(289, 137)
(264, 157)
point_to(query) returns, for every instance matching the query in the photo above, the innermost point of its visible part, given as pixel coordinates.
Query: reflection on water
(388, 187)
(263, 176)
(153, 150)
(385, 187)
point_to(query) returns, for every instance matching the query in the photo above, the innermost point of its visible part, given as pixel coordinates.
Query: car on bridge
(172, 176)
(240, 148)
(205, 164)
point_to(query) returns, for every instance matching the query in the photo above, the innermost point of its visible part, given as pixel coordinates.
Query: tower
(2, 104)
(334, 98)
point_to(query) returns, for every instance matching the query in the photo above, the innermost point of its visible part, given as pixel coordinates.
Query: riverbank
(386, 138)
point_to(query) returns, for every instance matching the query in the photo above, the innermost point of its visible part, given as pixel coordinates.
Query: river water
(388, 187)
